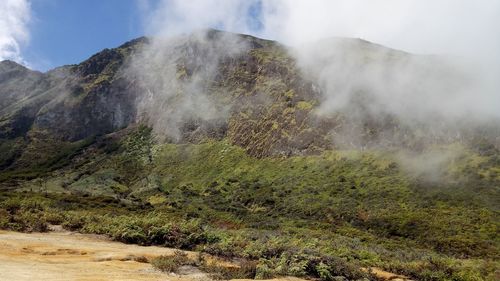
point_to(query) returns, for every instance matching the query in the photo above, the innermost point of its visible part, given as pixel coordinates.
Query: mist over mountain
(330, 160)
(261, 95)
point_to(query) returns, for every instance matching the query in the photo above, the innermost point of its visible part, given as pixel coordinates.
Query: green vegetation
(311, 216)
(216, 270)
(9, 150)
(245, 270)
(263, 186)
(171, 263)
(41, 156)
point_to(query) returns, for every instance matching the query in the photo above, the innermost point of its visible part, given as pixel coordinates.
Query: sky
(43, 34)
(66, 32)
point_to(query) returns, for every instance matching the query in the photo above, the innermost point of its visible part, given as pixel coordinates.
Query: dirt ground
(72, 256)
(58, 256)
(63, 255)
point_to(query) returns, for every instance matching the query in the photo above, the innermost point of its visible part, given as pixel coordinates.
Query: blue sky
(43, 34)
(67, 32)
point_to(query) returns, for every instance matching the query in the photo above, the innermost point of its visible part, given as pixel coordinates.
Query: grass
(317, 216)
(244, 270)
(171, 263)
(215, 269)
(291, 250)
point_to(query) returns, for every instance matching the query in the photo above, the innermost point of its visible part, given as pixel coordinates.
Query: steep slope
(221, 85)
(18, 84)
(64, 105)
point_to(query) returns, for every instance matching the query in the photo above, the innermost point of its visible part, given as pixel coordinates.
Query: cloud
(457, 27)
(14, 19)
(421, 26)
(171, 17)
(438, 96)
(465, 32)
(177, 75)
(182, 57)
(467, 28)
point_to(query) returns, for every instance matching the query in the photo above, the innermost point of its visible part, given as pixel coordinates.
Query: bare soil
(64, 255)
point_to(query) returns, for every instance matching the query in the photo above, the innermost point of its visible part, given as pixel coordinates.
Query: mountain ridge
(267, 94)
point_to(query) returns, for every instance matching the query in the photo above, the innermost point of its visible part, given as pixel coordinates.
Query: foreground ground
(65, 255)
(72, 256)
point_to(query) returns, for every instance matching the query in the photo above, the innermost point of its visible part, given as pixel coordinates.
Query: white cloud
(14, 18)
(468, 29)
(171, 17)
(457, 27)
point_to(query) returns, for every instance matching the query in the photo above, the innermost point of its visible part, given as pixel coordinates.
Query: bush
(23, 215)
(323, 271)
(74, 222)
(263, 270)
(302, 264)
(132, 234)
(33, 222)
(54, 217)
(245, 270)
(171, 263)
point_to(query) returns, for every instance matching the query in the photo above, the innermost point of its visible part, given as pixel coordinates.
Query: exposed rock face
(17, 83)
(208, 85)
(102, 109)
(71, 102)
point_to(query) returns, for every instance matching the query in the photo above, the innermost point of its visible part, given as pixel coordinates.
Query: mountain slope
(247, 137)
(221, 85)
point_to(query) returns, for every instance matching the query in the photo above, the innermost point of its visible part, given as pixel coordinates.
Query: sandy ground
(71, 256)
(62, 255)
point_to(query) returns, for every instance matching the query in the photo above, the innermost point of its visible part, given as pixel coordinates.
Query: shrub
(74, 222)
(132, 234)
(4, 219)
(54, 217)
(303, 264)
(171, 263)
(245, 270)
(324, 272)
(29, 222)
(263, 270)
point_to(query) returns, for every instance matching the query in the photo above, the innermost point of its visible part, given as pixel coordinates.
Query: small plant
(141, 259)
(171, 263)
(245, 270)
(263, 270)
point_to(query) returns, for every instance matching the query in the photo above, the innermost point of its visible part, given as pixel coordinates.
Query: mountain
(260, 89)
(344, 140)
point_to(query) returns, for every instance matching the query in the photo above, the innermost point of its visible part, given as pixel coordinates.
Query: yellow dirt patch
(58, 256)
(71, 256)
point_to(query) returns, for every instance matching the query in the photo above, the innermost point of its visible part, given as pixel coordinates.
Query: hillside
(235, 146)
